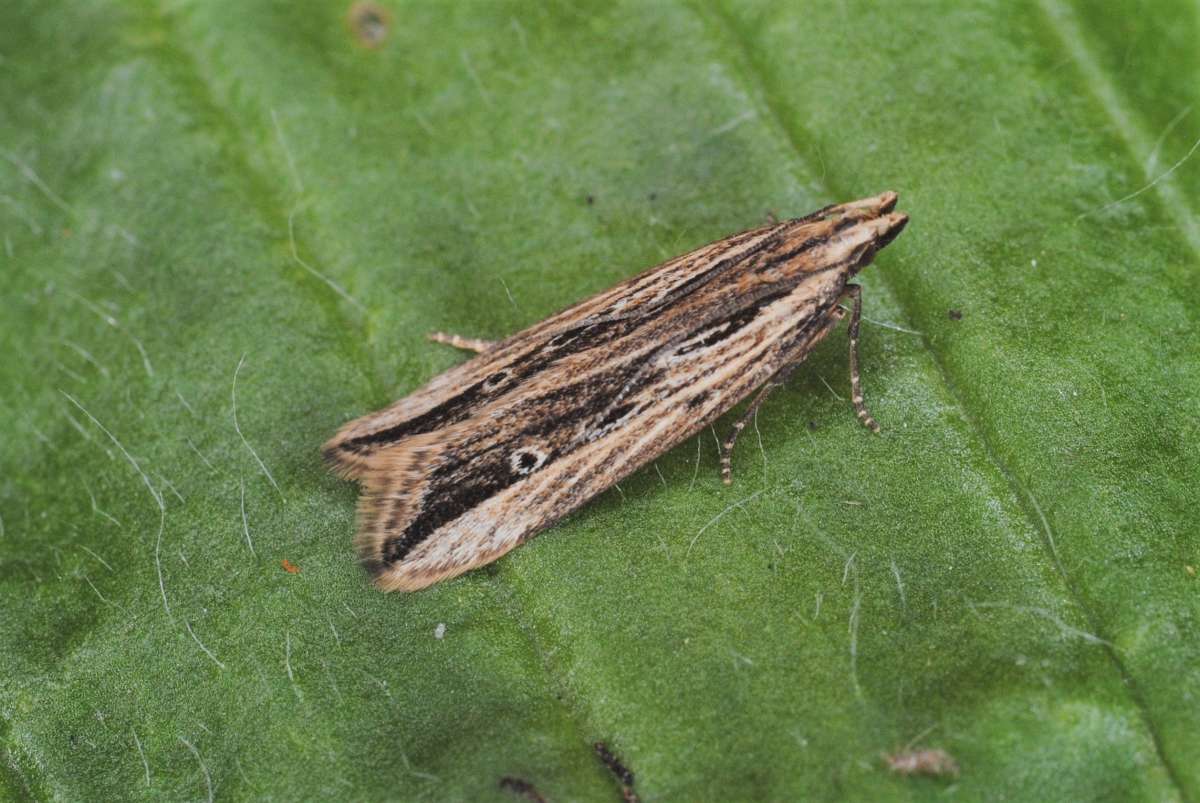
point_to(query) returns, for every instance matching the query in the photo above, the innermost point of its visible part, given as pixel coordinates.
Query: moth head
(853, 232)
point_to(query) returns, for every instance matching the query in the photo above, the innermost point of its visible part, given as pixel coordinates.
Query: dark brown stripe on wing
(559, 420)
(462, 405)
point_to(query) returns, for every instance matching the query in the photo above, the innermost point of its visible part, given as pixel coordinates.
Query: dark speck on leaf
(591, 199)
(812, 426)
(370, 23)
(955, 314)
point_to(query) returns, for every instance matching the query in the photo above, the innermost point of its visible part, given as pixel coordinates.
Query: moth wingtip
(386, 577)
(346, 465)
(373, 566)
(389, 575)
(373, 563)
(330, 457)
(386, 582)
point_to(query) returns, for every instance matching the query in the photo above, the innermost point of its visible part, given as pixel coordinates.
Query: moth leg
(475, 344)
(776, 379)
(854, 291)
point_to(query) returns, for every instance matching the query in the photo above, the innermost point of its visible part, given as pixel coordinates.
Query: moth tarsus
(619, 770)
(523, 788)
(526, 789)
(854, 292)
(613, 763)
(494, 450)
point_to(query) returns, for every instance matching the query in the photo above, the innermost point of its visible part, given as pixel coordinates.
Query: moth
(492, 451)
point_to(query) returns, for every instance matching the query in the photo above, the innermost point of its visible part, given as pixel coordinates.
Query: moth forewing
(494, 450)
(681, 401)
(456, 394)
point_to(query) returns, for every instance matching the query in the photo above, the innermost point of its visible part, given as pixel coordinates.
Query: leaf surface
(227, 226)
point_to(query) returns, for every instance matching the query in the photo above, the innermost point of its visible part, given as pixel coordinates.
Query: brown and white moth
(496, 449)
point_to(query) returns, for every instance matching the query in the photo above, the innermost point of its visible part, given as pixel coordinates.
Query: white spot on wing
(526, 460)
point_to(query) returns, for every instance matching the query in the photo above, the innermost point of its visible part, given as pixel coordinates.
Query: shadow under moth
(492, 451)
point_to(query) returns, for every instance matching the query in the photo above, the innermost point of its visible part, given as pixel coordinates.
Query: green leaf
(197, 195)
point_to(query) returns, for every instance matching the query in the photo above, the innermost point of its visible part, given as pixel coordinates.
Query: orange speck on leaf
(290, 567)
